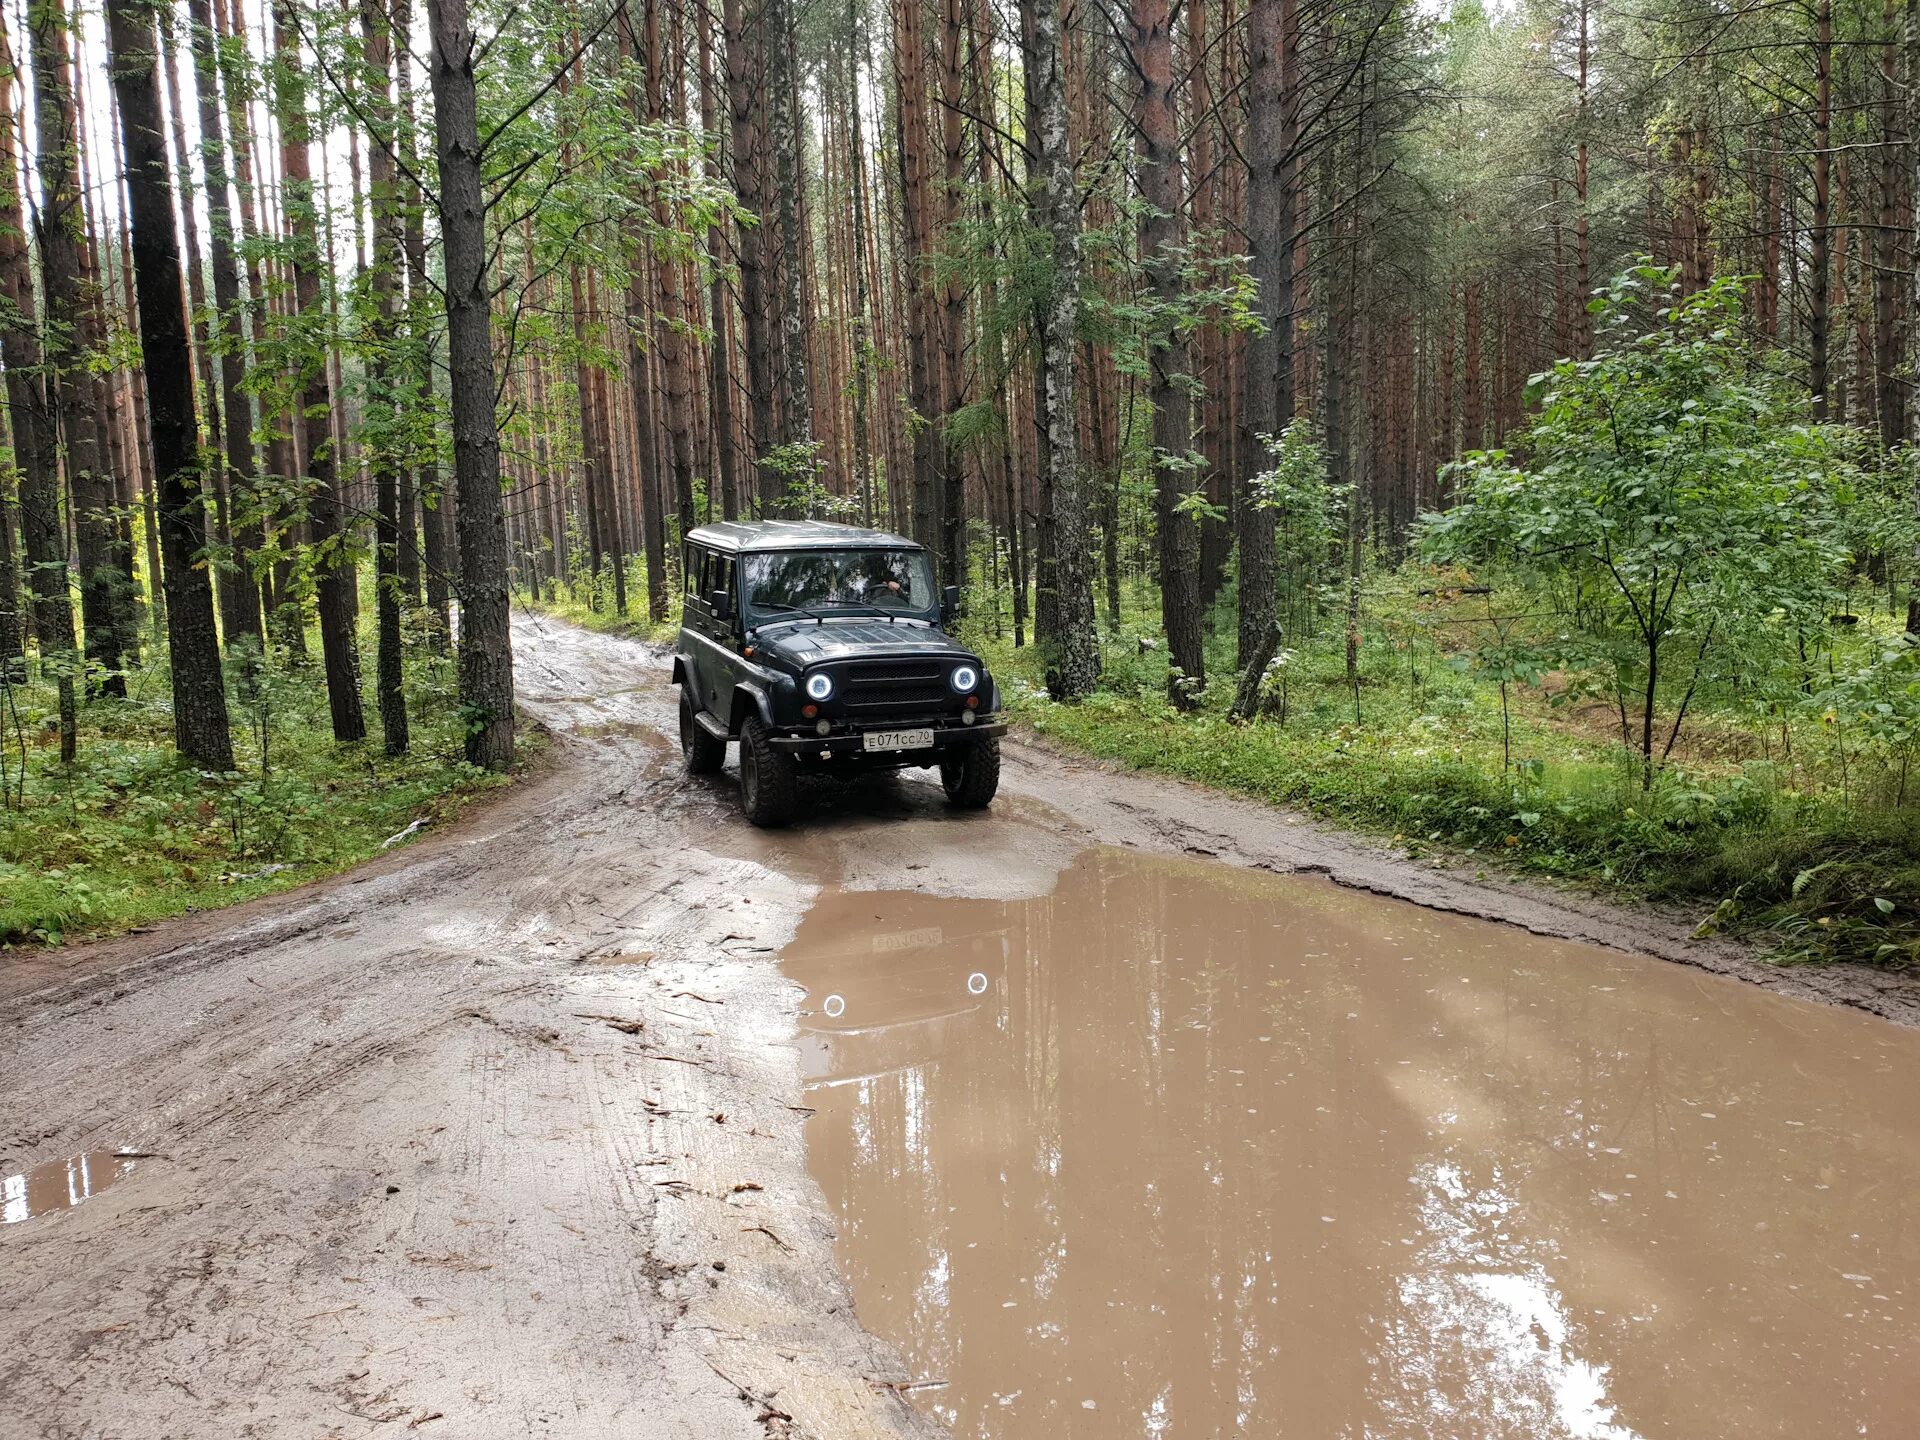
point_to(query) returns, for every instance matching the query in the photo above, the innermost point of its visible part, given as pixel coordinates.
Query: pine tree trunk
(13, 620)
(1895, 126)
(862, 338)
(1067, 634)
(383, 456)
(1267, 406)
(71, 321)
(745, 99)
(486, 641)
(240, 592)
(34, 434)
(1583, 280)
(726, 475)
(333, 563)
(285, 605)
(1162, 243)
(424, 541)
(922, 317)
(1820, 280)
(796, 405)
(953, 307)
(675, 354)
(199, 692)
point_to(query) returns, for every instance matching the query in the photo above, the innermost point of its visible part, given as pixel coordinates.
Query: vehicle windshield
(826, 582)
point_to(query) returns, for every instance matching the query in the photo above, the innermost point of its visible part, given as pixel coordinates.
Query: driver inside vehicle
(858, 579)
(884, 583)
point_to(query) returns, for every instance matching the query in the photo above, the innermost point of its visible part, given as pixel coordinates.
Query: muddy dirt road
(503, 1135)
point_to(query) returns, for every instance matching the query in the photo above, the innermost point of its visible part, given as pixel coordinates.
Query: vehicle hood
(803, 643)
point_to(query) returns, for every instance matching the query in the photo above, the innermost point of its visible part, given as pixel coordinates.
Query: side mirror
(949, 604)
(721, 603)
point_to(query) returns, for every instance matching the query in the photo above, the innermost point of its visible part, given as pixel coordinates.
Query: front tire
(703, 754)
(970, 774)
(769, 781)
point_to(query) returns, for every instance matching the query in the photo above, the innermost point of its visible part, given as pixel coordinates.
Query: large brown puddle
(1184, 1150)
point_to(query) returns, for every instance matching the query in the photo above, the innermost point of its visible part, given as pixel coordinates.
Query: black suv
(819, 646)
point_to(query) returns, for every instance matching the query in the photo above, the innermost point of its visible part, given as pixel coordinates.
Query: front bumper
(845, 743)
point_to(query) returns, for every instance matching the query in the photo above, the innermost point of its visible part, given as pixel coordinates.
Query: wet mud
(506, 1132)
(1179, 1149)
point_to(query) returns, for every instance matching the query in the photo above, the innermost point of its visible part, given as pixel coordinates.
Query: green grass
(129, 834)
(1750, 845)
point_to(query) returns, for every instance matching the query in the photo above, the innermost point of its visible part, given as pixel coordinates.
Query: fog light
(966, 717)
(823, 727)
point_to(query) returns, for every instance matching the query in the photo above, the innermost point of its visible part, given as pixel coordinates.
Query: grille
(881, 688)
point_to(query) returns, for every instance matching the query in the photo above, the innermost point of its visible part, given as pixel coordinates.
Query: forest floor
(501, 1134)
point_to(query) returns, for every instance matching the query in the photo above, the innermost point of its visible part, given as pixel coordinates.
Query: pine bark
(914, 141)
(426, 544)
(72, 325)
(1896, 124)
(35, 436)
(676, 359)
(1162, 242)
(486, 640)
(745, 99)
(199, 692)
(796, 401)
(1069, 640)
(1819, 299)
(1267, 407)
(862, 327)
(719, 346)
(384, 460)
(240, 592)
(953, 305)
(332, 561)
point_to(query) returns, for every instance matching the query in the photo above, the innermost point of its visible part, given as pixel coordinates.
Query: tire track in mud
(399, 1172)
(500, 1134)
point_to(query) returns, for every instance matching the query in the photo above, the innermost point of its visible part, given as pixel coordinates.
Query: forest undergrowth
(1787, 834)
(131, 833)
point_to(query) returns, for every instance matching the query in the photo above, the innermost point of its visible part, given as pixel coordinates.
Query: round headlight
(963, 679)
(819, 687)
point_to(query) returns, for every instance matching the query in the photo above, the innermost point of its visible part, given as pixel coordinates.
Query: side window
(689, 568)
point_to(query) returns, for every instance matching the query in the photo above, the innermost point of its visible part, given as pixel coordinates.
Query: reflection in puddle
(60, 1184)
(1182, 1150)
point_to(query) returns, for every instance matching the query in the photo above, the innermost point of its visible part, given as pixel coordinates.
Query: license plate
(899, 740)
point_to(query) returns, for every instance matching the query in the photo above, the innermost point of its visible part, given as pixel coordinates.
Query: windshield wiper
(866, 605)
(818, 619)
